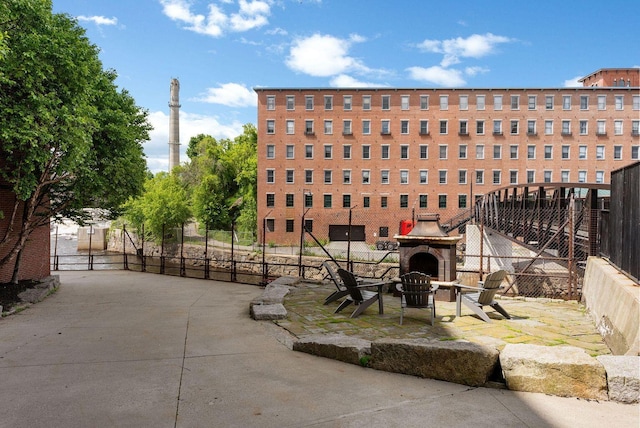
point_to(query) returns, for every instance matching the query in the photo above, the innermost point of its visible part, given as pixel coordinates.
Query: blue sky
(220, 50)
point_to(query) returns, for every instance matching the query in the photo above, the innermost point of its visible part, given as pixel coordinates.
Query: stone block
(623, 377)
(286, 280)
(335, 346)
(268, 312)
(565, 371)
(452, 361)
(272, 294)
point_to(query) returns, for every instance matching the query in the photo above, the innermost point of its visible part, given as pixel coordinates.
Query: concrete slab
(223, 369)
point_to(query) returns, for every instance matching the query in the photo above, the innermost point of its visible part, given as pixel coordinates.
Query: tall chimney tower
(174, 125)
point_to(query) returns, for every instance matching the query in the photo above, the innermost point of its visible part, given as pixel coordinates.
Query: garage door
(340, 232)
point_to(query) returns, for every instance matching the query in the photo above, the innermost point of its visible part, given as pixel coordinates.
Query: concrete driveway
(126, 349)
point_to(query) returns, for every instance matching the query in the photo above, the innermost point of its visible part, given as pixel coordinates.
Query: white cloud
(230, 94)
(437, 75)
(572, 83)
(251, 14)
(474, 46)
(323, 55)
(277, 32)
(472, 71)
(157, 149)
(99, 20)
(345, 81)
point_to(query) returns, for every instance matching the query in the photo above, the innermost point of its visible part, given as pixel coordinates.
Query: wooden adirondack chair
(416, 291)
(475, 298)
(361, 298)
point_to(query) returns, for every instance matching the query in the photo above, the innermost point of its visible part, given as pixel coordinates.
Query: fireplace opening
(426, 263)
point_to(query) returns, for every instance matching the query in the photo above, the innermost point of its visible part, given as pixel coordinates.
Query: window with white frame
(291, 102)
(584, 102)
(404, 102)
(443, 149)
(289, 176)
(327, 200)
(566, 127)
(404, 126)
(366, 176)
(464, 102)
(514, 127)
(442, 176)
(443, 127)
(497, 176)
(384, 201)
(515, 102)
(404, 151)
(583, 124)
(636, 102)
(564, 176)
(308, 127)
(582, 152)
(308, 176)
(346, 176)
(424, 102)
(617, 127)
(424, 127)
(384, 150)
(346, 201)
(532, 102)
(599, 176)
(480, 102)
(619, 102)
(308, 102)
(601, 127)
(531, 127)
(442, 201)
(271, 102)
(635, 127)
(404, 176)
(497, 127)
(462, 201)
(582, 176)
(497, 152)
(424, 176)
(513, 177)
(271, 151)
(602, 102)
(635, 152)
(404, 201)
(617, 152)
(444, 102)
(531, 152)
(531, 176)
(328, 126)
(386, 102)
(289, 151)
(548, 127)
(422, 200)
(497, 102)
(462, 176)
(566, 102)
(513, 151)
(480, 151)
(384, 176)
(462, 151)
(480, 127)
(547, 176)
(366, 151)
(346, 151)
(290, 126)
(548, 102)
(347, 102)
(328, 176)
(271, 126)
(271, 176)
(424, 151)
(599, 152)
(366, 127)
(328, 151)
(271, 200)
(328, 102)
(308, 151)
(464, 130)
(346, 127)
(366, 102)
(548, 152)
(565, 152)
(385, 128)
(479, 176)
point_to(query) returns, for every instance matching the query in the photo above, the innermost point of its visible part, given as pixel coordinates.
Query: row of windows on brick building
(617, 151)
(443, 176)
(383, 201)
(463, 104)
(566, 128)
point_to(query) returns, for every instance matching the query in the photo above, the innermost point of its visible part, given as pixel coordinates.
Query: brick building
(384, 154)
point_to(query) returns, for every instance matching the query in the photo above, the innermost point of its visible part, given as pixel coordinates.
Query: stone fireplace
(429, 249)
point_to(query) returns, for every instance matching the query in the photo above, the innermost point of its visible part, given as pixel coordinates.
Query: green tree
(164, 204)
(68, 138)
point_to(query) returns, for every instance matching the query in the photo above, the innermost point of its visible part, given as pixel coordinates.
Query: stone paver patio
(534, 321)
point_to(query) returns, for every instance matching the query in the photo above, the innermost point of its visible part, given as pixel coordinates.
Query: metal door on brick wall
(340, 232)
